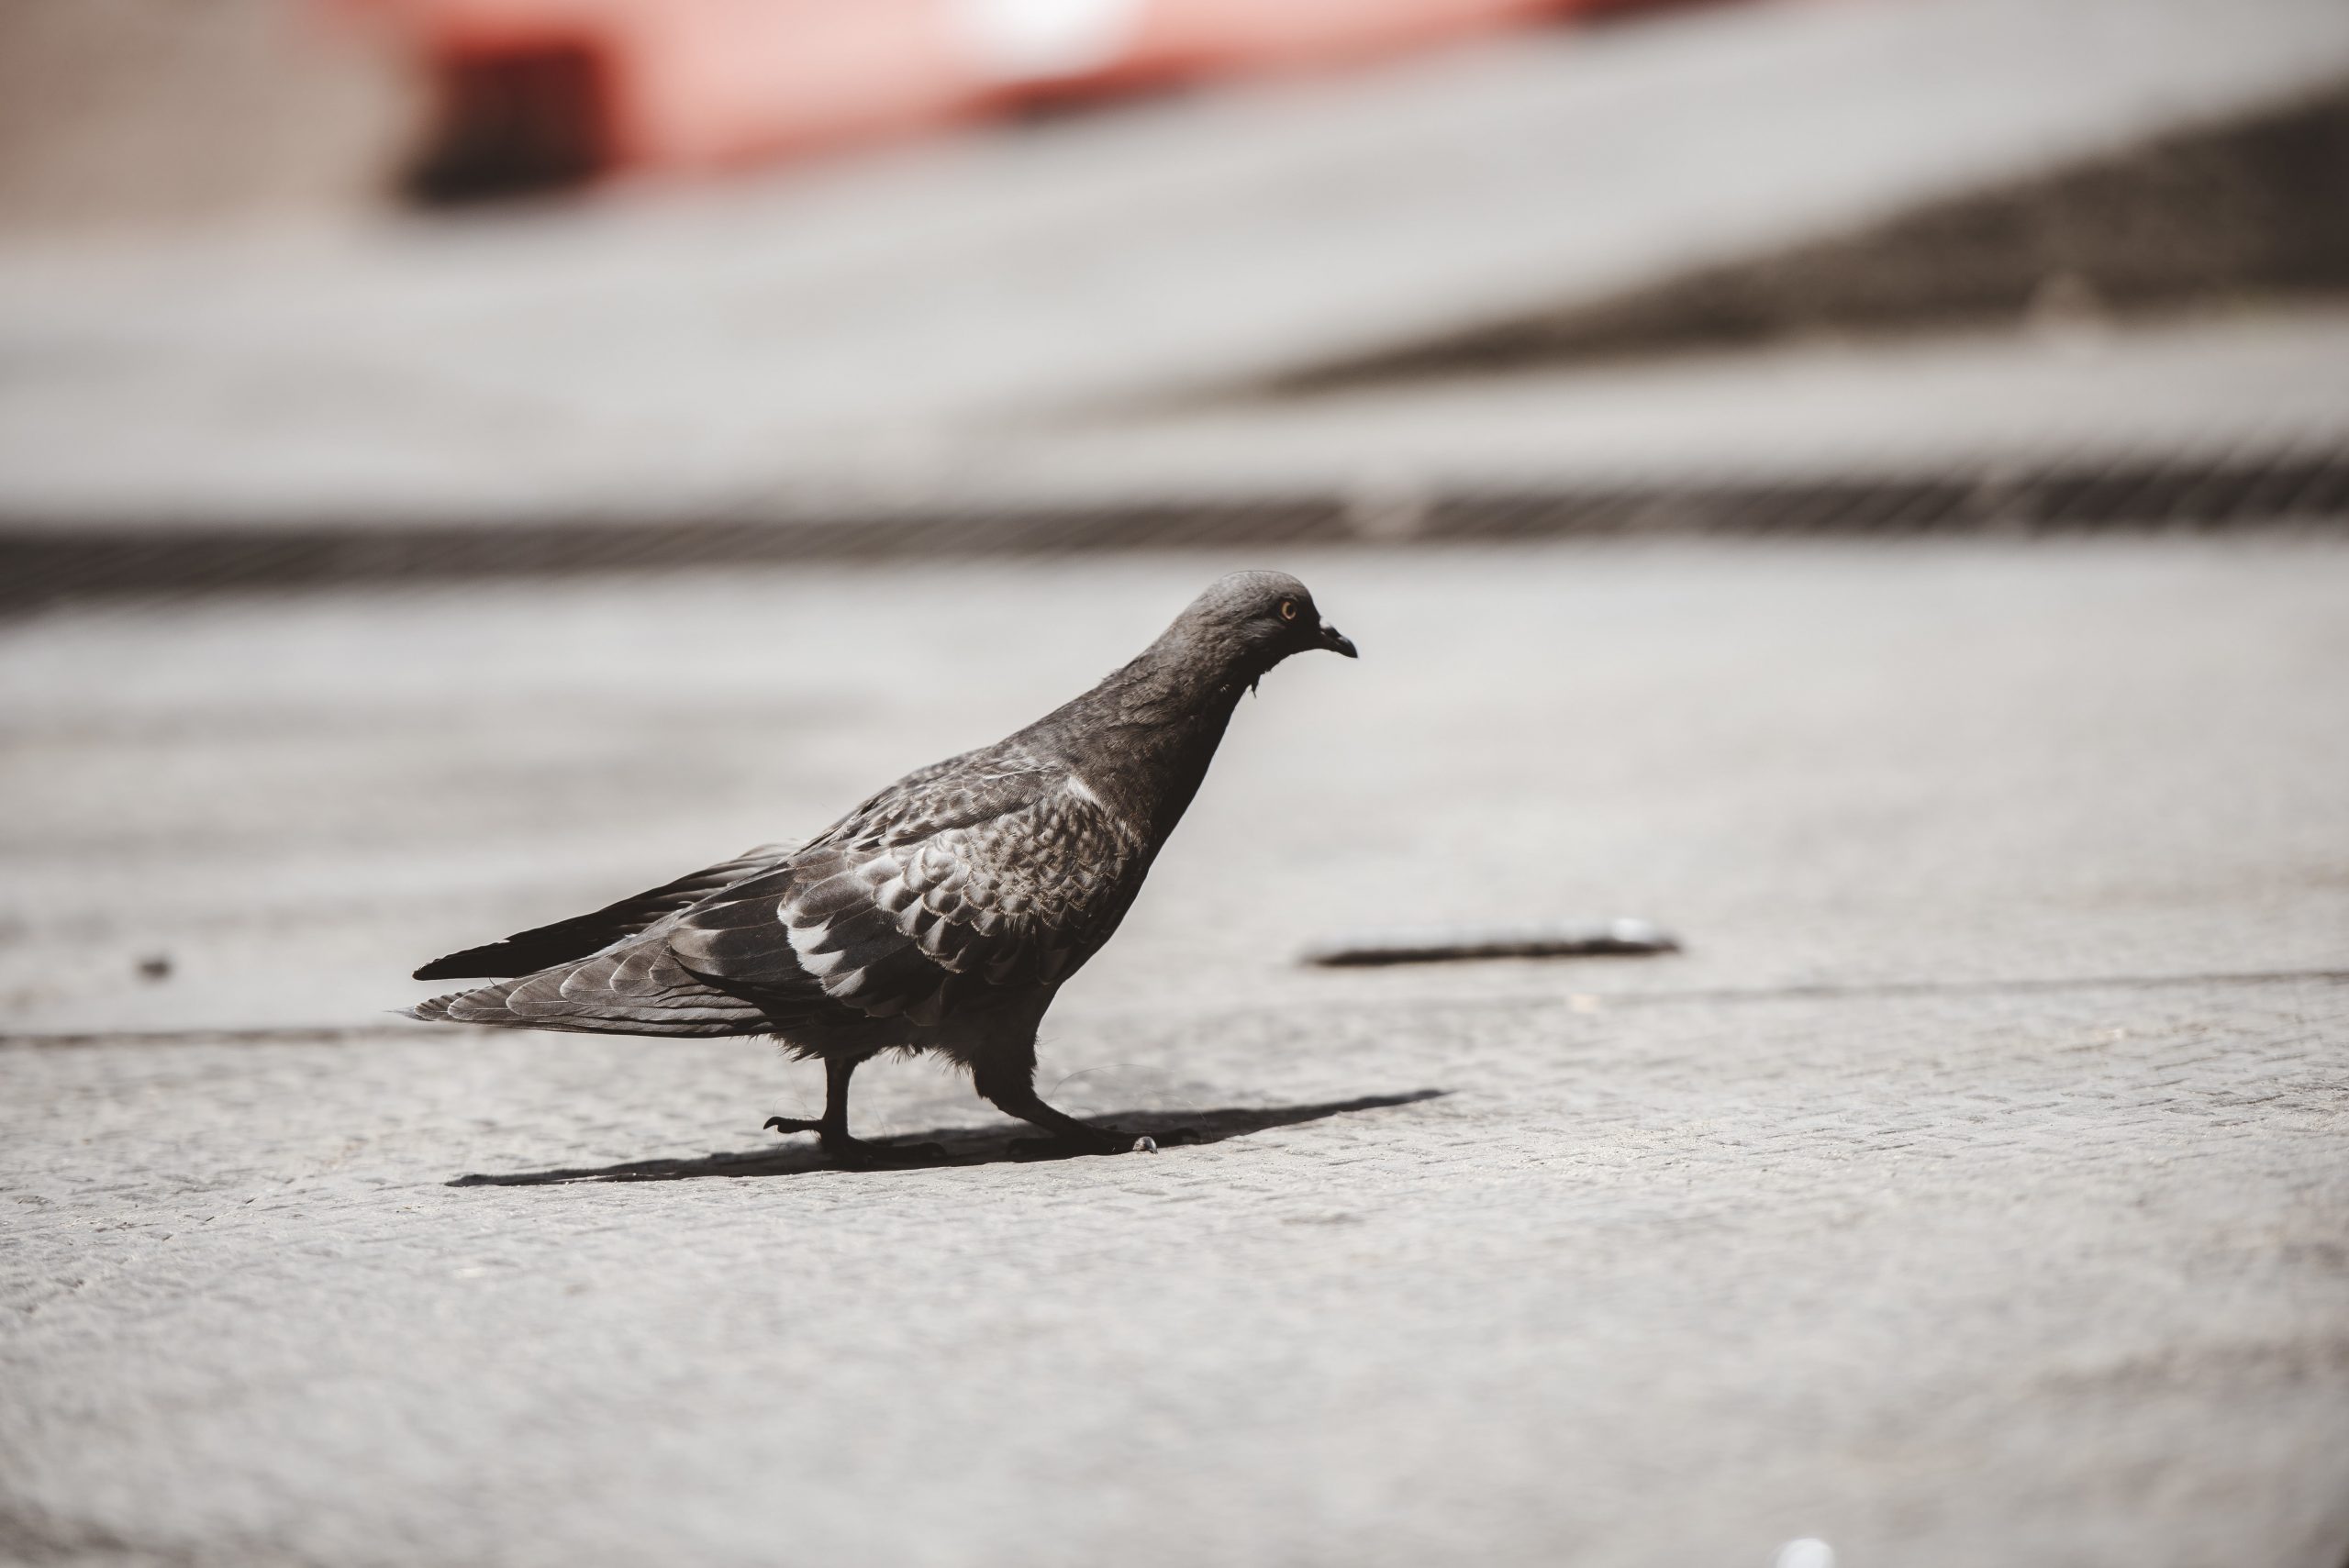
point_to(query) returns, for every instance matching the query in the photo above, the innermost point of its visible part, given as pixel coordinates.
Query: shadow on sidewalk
(961, 1145)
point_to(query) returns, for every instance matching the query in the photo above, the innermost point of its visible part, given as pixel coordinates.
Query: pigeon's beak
(1337, 641)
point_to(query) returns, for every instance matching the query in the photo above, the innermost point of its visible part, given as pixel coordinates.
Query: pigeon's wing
(929, 897)
(526, 951)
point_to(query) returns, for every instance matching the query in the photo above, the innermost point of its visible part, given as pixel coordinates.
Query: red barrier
(1199, 36)
(560, 87)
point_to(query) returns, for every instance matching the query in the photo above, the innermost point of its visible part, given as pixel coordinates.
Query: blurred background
(294, 291)
(1860, 483)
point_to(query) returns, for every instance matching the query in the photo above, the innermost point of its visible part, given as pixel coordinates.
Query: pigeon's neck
(1142, 739)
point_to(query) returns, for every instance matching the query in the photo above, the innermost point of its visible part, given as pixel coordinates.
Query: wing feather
(543, 945)
(913, 905)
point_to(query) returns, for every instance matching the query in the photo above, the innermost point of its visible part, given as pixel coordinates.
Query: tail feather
(637, 989)
(433, 1010)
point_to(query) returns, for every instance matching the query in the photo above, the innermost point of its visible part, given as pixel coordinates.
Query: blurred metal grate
(46, 561)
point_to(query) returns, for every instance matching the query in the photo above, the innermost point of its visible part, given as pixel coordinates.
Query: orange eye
(1288, 609)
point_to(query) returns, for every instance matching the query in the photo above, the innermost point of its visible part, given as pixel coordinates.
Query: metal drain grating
(43, 562)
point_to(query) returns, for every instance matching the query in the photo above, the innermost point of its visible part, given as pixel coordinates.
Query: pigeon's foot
(845, 1150)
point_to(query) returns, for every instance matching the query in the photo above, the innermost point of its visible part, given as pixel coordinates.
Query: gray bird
(942, 913)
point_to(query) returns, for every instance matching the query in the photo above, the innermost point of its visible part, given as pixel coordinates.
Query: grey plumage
(943, 913)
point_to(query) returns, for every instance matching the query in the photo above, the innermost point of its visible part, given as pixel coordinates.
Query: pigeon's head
(1263, 616)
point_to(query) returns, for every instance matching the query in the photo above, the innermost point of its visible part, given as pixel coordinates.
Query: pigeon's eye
(1288, 609)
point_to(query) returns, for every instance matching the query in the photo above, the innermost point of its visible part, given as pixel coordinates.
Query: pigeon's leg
(831, 1129)
(1008, 1082)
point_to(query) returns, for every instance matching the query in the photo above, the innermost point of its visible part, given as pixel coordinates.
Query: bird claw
(856, 1152)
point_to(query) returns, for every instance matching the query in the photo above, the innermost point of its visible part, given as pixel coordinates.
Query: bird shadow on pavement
(960, 1146)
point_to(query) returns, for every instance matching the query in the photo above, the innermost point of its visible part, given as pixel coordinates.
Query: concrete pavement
(1973, 1189)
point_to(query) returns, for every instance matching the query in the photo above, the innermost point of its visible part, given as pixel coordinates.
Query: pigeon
(942, 913)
